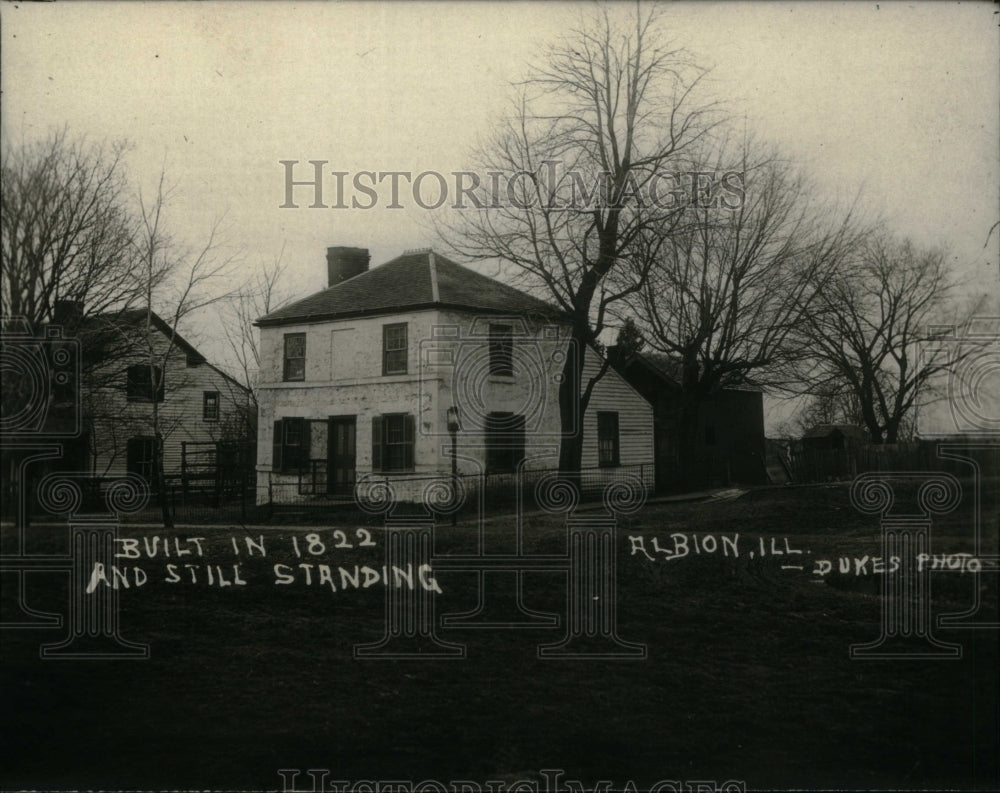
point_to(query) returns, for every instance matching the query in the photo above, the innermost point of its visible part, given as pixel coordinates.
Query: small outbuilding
(834, 437)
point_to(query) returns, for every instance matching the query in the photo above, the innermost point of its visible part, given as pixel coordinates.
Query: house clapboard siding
(635, 418)
(112, 418)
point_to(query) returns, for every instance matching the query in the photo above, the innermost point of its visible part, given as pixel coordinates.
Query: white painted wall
(448, 364)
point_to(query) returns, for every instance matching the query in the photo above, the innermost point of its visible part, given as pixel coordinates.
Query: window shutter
(376, 443)
(276, 447)
(302, 451)
(409, 430)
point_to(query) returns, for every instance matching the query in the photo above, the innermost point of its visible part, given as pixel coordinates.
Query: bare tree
(259, 296)
(600, 123)
(66, 255)
(837, 405)
(176, 282)
(67, 229)
(872, 333)
(67, 252)
(729, 286)
(73, 235)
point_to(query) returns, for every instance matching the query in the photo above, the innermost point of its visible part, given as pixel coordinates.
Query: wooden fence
(829, 465)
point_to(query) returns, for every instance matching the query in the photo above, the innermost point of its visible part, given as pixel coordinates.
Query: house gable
(725, 432)
(186, 414)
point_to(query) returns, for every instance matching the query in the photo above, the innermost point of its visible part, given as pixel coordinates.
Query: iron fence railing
(308, 492)
(306, 496)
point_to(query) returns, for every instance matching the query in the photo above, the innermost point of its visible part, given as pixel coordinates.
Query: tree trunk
(159, 474)
(871, 422)
(692, 396)
(892, 431)
(161, 486)
(570, 408)
(690, 473)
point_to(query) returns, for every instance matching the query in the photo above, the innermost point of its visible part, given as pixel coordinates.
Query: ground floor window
(607, 438)
(504, 442)
(290, 452)
(140, 457)
(392, 442)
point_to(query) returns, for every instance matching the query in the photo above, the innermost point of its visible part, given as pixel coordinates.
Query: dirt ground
(746, 675)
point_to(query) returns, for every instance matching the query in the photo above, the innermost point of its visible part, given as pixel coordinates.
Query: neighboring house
(198, 405)
(729, 436)
(834, 437)
(359, 380)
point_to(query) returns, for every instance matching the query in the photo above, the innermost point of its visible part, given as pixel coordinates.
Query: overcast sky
(901, 100)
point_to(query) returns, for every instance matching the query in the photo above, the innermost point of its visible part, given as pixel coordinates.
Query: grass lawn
(747, 675)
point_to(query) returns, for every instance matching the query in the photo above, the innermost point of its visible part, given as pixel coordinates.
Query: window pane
(396, 450)
(395, 337)
(210, 409)
(607, 438)
(395, 430)
(397, 457)
(395, 362)
(394, 349)
(295, 356)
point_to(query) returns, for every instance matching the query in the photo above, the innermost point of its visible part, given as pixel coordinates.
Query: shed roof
(826, 430)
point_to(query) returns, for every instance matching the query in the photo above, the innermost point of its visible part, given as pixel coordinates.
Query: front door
(340, 465)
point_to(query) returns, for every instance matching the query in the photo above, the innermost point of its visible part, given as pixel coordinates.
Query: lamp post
(453, 427)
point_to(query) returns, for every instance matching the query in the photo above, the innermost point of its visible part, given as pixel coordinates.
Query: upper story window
(210, 405)
(607, 438)
(144, 383)
(501, 349)
(394, 352)
(295, 356)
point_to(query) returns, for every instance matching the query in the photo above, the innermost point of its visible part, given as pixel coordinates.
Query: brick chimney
(343, 263)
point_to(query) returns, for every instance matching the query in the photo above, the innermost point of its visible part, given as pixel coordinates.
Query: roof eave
(301, 319)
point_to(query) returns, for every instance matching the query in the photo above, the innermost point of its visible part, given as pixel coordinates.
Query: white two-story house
(378, 374)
